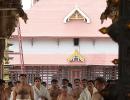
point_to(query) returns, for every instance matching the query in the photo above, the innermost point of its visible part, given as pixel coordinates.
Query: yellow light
(103, 30)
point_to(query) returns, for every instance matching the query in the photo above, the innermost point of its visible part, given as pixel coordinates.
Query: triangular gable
(78, 14)
(76, 57)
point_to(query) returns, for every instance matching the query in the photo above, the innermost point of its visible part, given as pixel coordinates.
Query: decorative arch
(77, 14)
(76, 57)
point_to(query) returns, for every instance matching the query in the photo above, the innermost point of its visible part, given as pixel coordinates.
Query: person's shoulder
(15, 88)
(97, 95)
(29, 86)
(94, 90)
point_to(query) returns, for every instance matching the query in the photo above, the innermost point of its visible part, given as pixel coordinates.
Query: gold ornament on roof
(115, 61)
(103, 30)
(76, 57)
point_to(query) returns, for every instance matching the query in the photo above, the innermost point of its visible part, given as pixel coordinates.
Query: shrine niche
(76, 57)
(77, 14)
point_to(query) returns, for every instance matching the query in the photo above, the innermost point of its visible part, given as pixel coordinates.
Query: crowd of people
(79, 90)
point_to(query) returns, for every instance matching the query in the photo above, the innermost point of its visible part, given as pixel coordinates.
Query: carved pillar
(10, 11)
(119, 31)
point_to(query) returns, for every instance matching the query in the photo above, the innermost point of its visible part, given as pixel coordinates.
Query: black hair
(65, 80)
(54, 80)
(77, 79)
(70, 85)
(16, 82)
(84, 80)
(90, 81)
(44, 83)
(23, 75)
(1, 82)
(101, 80)
(37, 78)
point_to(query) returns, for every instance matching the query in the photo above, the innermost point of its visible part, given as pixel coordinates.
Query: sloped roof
(46, 19)
(61, 59)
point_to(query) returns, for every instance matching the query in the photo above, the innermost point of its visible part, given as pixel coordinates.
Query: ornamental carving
(111, 11)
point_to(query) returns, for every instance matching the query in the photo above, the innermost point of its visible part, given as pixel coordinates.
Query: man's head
(77, 82)
(100, 83)
(64, 90)
(54, 82)
(23, 78)
(90, 84)
(84, 83)
(37, 81)
(65, 82)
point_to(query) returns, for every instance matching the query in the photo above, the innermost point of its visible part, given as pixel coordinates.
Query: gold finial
(103, 30)
(115, 61)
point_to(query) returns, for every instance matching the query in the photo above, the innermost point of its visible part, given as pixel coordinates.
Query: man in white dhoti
(23, 91)
(88, 92)
(40, 92)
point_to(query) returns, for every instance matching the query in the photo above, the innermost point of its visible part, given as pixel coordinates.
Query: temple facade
(62, 40)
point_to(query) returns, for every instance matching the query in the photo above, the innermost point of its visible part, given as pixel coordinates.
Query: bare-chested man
(76, 89)
(54, 90)
(23, 91)
(65, 82)
(8, 89)
(64, 94)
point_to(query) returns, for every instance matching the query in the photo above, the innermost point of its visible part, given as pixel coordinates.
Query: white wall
(106, 46)
(86, 46)
(66, 46)
(15, 46)
(102, 45)
(45, 46)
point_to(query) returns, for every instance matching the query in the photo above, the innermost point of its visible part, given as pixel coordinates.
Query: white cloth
(11, 96)
(85, 94)
(40, 92)
(69, 90)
